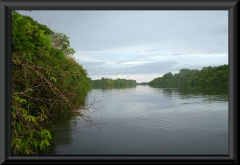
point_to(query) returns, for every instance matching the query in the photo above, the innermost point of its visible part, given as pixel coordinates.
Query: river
(148, 121)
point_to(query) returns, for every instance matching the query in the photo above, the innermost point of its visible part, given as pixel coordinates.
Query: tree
(46, 83)
(207, 76)
(111, 83)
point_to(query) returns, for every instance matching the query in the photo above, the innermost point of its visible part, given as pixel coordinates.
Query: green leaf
(42, 133)
(48, 73)
(24, 111)
(48, 144)
(30, 56)
(35, 143)
(34, 120)
(43, 109)
(48, 134)
(53, 79)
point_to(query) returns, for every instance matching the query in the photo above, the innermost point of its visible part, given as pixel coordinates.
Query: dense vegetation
(46, 83)
(111, 83)
(206, 77)
(142, 83)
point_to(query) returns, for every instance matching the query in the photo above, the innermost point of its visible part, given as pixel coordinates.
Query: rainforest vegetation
(142, 83)
(111, 83)
(46, 83)
(206, 77)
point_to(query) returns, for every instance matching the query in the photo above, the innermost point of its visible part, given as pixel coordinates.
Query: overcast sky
(141, 45)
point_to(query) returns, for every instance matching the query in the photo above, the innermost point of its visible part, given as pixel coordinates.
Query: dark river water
(148, 121)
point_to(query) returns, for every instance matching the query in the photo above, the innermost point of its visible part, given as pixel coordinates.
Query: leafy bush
(46, 83)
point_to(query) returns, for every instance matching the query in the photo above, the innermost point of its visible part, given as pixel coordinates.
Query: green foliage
(61, 41)
(110, 83)
(27, 133)
(206, 77)
(142, 83)
(46, 83)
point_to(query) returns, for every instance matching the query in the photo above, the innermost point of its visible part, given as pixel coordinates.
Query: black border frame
(6, 6)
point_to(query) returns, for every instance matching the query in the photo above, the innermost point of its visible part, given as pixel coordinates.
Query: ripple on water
(155, 121)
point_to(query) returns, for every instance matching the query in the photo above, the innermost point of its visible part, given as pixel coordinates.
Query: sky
(141, 45)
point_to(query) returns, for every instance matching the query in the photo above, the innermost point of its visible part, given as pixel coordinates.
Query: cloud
(121, 62)
(146, 68)
(176, 54)
(94, 63)
(137, 43)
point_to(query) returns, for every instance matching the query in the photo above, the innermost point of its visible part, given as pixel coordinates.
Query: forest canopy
(46, 83)
(207, 77)
(111, 83)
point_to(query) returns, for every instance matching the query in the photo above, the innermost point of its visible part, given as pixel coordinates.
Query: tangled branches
(46, 84)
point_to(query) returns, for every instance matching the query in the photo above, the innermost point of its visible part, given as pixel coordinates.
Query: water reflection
(145, 120)
(210, 94)
(61, 132)
(169, 92)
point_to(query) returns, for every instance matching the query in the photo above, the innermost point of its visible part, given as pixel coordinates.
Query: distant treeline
(207, 77)
(110, 83)
(142, 83)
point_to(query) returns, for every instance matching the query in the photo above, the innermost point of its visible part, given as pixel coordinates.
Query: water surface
(149, 121)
